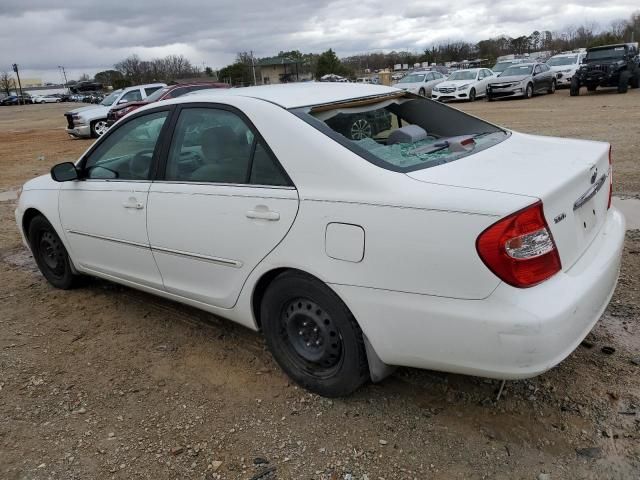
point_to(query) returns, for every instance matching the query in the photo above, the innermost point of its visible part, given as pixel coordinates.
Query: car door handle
(133, 203)
(263, 215)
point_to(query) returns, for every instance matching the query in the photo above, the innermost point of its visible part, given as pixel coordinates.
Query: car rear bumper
(513, 333)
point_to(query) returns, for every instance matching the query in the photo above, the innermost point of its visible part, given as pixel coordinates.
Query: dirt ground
(107, 382)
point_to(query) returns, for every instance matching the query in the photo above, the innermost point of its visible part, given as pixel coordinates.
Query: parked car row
(94, 121)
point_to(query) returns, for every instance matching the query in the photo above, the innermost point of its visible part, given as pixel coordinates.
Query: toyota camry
(436, 240)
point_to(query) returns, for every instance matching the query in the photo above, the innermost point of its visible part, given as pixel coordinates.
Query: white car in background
(420, 82)
(463, 85)
(45, 99)
(565, 66)
(91, 121)
(442, 242)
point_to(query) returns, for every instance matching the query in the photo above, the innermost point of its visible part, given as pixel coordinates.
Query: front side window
(216, 146)
(404, 134)
(127, 153)
(108, 101)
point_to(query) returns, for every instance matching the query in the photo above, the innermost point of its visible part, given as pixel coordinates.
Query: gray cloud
(91, 36)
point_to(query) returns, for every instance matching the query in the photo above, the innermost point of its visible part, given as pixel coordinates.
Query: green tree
(208, 71)
(107, 77)
(328, 62)
(237, 74)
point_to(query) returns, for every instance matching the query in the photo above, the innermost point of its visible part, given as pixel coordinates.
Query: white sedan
(45, 99)
(464, 85)
(441, 241)
(420, 82)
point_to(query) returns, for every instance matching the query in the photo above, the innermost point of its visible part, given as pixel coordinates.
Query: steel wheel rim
(310, 337)
(360, 129)
(100, 127)
(52, 253)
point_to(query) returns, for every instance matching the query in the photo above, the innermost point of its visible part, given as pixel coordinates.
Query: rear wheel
(574, 88)
(591, 88)
(472, 95)
(49, 253)
(422, 92)
(313, 336)
(623, 82)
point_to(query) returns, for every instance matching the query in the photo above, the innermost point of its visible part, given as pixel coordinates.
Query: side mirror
(123, 100)
(64, 172)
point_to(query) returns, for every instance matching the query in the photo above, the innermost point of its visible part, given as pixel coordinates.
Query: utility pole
(64, 74)
(15, 69)
(253, 67)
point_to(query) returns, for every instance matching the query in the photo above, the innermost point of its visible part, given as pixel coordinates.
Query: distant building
(31, 82)
(280, 70)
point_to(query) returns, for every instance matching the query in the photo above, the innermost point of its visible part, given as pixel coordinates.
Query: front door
(104, 215)
(224, 203)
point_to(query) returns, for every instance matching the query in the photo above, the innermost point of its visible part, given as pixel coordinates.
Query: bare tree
(7, 83)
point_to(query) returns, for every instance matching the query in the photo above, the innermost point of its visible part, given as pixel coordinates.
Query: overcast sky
(89, 36)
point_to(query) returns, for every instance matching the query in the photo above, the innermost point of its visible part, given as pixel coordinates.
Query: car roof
(295, 95)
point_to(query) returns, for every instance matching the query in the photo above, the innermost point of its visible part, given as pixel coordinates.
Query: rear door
(222, 204)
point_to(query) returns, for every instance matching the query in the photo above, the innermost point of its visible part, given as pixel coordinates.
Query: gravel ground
(107, 382)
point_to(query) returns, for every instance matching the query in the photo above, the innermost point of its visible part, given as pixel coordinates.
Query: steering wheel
(139, 164)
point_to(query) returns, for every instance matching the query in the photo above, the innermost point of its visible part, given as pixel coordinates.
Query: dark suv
(608, 66)
(171, 91)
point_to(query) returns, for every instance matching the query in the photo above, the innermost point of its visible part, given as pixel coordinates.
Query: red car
(172, 91)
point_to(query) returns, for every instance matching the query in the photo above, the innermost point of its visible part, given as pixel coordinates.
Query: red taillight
(610, 179)
(519, 249)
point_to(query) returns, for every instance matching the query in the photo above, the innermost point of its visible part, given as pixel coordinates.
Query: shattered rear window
(404, 134)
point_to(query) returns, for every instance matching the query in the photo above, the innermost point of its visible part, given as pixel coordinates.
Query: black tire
(313, 336)
(591, 88)
(528, 91)
(472, 95)
(99, 127)
(553, 87)
(49, 253)
(489, 98)
(623, 82)
(422, 92)
(635, 80)
(574, 88)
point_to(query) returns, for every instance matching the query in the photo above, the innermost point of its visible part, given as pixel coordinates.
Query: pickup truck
(91, 121)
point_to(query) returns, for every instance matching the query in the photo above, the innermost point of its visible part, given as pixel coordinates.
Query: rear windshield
(404, 134)
(157, 94)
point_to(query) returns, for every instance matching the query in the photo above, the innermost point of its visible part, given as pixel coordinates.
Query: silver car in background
(420, 82)
(522, 80)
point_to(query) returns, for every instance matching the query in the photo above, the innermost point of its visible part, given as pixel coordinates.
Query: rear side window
(404, 134)
(216, 146)
(149, 90)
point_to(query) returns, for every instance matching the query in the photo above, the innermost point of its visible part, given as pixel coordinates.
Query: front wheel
(528, 92)
(635, 80)
(472, 95)
(99, 128)
(623, 82)
(49, 253)
(552, 89)
(422, 92)
(313, 336)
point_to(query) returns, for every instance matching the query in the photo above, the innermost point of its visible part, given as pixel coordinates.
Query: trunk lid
(571, 177)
